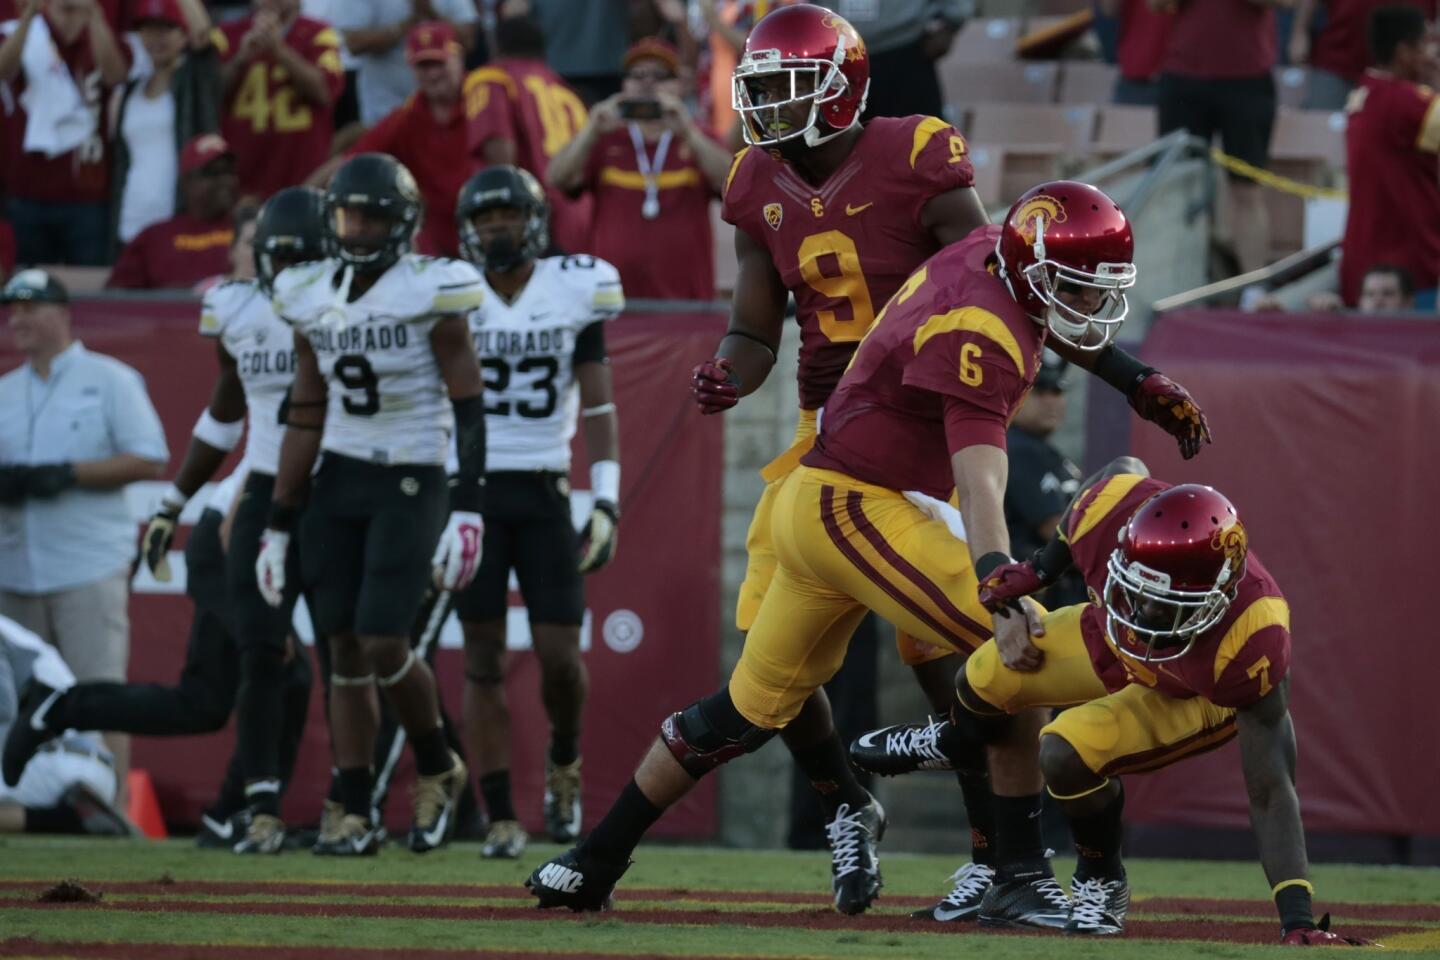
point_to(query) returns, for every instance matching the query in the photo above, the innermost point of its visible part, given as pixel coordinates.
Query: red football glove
(1009, 582)
(714, 387)
(1320, 936)
(1161, 400)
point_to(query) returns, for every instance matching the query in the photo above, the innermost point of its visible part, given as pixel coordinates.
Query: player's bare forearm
(953, 215)
(454, 349)
(600, 420)
(227, 405)
(980, 474)
(1267, 757)
(114, 472)
(304, 426)
(757, 315)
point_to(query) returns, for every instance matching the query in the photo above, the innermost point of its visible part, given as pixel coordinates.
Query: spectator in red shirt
(280, 79)
(1391, 144)
(1143, 34)
(653, 177)
(1337, 53)
(195, 243)
(61, 63)
(1216, 78)
(519, 112)
(426, 133)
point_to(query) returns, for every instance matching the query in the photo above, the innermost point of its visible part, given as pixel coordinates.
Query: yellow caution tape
(1273, 180)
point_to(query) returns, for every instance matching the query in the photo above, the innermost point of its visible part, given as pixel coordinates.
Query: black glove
(48, 480)
(13, 478)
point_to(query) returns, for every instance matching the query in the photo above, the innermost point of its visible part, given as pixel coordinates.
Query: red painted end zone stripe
(171, 951)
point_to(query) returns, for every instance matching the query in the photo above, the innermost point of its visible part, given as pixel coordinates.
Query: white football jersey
(263, 346)
(387, 401)
(527, 353)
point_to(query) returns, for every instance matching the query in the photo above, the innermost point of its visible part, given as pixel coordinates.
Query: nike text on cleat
(28, 731)
(903, 748)
(1034, 902)
(354, 837)
(435, 801)
(562, 801)
(266, 834)
(854, 863)
(1098, 906)
(505, 841)
(963, 902)
(575, 880)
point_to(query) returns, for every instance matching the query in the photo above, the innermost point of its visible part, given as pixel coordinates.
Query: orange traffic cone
(144, 809)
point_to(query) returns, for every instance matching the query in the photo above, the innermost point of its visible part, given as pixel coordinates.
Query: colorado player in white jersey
(385, 372)
(540, 337)
(257, 364)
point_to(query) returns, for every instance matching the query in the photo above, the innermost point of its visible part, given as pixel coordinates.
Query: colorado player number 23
(497, 380)
(830, 264)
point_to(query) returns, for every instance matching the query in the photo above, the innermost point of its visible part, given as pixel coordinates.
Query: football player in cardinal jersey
(385, 372)
(923, 407)
(838, 214)
(1185, 645)
(541, 339)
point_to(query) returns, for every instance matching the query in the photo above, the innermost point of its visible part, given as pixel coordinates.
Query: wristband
(468, 496)
(605, 480)
(173, 500)
(986, 565)
(221, 436)
(1052, 560)
(282, 517)
(1120, 369)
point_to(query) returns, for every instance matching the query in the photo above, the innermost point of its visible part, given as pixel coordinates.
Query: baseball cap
(1051, 375)
(167, 11)
(431, 40)
(34, 286)
(651, 48)
(201, 149)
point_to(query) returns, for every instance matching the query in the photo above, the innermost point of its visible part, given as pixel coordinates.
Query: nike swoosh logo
(867, 740)
(851, 211)
(214, 827)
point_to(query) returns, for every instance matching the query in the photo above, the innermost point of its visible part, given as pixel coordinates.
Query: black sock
(1097, 842)
(564, 748)
(980, 809)
(495, 788)
(1019, 849)
(355, 790)
(61, 819)
(334, 792)
(619, 833)
(432, 753)
(264, 797)
(829, 772)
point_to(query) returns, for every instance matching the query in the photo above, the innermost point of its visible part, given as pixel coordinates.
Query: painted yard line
(1396, 912)
(24, 947)
(817, 919)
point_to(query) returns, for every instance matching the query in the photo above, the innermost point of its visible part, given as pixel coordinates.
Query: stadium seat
(989, 163)
(1010, 82)
(1122, 129)
(1070, 129)
(984, 40)
(1086, 81)
(1290, 85)
(1309, 135)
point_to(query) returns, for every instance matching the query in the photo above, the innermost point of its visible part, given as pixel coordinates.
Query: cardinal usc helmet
(800, 59)
(1174, 573)
(1067, 241)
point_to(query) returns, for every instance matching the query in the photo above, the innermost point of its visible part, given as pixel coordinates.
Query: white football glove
(270, 566)
(599, 537)
(457, 556)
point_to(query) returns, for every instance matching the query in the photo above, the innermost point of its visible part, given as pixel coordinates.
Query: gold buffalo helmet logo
(774, 213)
(1042, 206)
(1232, 541)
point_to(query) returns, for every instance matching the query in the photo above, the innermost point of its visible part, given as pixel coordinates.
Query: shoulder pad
(221, 303)
(455, 286)
(594, 282)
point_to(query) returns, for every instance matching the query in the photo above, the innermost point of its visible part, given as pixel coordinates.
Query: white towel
(938, 510)
(57, 118)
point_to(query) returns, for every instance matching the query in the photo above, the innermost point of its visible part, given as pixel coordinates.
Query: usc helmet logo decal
(849, 38)
(1231, 541)
(1042, 206)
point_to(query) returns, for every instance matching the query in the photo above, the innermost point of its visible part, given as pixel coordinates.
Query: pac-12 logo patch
(774, 213)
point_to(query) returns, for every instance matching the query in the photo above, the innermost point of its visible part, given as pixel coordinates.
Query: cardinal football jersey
(263, 346)
(1233, 664)
(527, 353)
(845, 246)
(387, 403)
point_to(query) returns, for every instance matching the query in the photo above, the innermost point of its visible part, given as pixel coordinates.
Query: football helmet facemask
(372, 209)
(503, 187)
(290, 229)
(1174, 573)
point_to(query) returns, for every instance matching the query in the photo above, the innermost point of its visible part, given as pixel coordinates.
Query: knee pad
(711, 732)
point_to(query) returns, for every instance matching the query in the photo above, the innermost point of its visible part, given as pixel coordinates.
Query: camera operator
(653, 172)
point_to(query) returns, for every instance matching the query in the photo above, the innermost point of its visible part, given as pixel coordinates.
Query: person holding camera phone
(653, 172)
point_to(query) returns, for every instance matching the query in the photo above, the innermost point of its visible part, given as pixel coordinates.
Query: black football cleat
(854, 862)
(1098, 907)
(903, 748)
(963, 902)
(29, 729)
(577, 881)
(218, 834)
(98, 817)
(1037, 902)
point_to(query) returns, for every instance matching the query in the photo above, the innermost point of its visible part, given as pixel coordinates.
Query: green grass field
(170, 900)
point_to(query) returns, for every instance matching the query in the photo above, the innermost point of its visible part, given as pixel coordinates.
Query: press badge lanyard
(650, 169)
